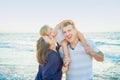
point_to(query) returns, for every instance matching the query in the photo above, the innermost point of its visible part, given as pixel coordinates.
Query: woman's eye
(50, 37)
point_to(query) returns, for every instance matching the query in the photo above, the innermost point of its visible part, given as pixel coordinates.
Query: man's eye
(69, 30)
(64, 32)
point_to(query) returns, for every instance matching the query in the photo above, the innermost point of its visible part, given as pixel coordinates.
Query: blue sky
(88, 15)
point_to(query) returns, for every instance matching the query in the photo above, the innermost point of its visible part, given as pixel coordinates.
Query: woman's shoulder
(52, 56)
(52, 53)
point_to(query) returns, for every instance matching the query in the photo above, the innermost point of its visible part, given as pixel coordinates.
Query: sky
(24, 16)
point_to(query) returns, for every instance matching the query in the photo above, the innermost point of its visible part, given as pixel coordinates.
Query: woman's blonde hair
(44, 30)
(42, 50)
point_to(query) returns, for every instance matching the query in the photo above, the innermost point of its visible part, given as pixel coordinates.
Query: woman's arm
(66, 59)
(95, 52)
(98, 56)
(57, 27)
(83, 41)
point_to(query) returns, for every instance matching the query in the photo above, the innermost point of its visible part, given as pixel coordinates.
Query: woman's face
(53, 33)
(49, 40)
(49, 30)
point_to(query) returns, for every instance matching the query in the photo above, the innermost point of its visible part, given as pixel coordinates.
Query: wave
(104, 43)
(10, 77)
(6, 45)
(112, 58)
(18, 47)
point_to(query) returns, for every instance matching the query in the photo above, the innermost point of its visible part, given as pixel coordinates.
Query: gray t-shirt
(80, 67)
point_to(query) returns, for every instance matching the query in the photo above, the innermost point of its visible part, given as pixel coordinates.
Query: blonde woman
(50, 63)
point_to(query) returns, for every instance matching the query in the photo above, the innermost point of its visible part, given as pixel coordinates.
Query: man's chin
(70, 41)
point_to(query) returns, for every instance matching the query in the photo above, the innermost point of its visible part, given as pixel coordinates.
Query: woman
(50, 63)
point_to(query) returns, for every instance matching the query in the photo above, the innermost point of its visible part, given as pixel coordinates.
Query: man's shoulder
(90, 42)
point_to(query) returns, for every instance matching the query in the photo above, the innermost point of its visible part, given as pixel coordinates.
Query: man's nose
(67, 34)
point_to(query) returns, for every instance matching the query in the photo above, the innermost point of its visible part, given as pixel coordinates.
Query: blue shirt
(80, 67)
(52, 69)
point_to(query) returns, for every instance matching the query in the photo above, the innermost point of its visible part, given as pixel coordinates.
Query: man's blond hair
(65, 23)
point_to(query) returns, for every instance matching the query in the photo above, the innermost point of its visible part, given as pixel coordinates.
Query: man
(80, 67)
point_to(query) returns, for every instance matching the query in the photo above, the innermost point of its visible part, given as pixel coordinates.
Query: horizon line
(38, 32)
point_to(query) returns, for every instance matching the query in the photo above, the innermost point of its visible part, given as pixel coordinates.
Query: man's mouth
(69, 37)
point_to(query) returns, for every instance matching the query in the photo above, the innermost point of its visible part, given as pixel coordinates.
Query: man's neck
(74, 43)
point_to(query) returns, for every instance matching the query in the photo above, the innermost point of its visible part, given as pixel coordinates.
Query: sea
(18, 55)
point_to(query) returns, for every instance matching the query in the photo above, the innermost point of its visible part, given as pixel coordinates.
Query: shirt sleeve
(50, 67)
(93, 46)
(61, 53)
(60, 36)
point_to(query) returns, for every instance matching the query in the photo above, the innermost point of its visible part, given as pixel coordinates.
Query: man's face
(70, 33)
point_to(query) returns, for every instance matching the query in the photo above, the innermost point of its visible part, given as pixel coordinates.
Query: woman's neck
(53, 48)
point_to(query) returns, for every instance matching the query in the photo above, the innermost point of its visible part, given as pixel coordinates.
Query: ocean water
(18, 61)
